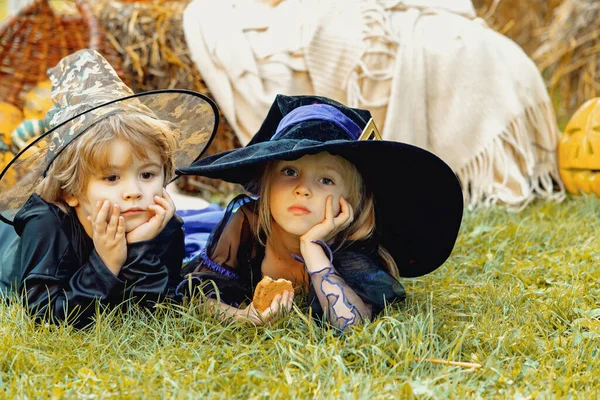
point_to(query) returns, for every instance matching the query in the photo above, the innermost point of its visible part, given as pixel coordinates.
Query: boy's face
(131, 183)
(299, 190)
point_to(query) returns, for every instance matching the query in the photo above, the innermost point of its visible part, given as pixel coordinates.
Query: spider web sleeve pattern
(342, 305)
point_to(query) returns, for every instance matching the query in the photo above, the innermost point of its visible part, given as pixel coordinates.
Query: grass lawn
(519, 296)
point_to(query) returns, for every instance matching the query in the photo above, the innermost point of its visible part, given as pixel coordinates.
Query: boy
(96, 225)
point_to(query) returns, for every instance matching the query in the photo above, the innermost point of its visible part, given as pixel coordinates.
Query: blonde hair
(89, 153)
(359, 197)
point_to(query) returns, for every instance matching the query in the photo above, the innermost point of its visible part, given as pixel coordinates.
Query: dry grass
(562, 38)
(149, 36)
(519, 20)
(570, 53)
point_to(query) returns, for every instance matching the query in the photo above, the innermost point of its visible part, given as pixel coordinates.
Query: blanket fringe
(518, 166)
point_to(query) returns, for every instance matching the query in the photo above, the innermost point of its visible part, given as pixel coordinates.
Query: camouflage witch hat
(85, 90)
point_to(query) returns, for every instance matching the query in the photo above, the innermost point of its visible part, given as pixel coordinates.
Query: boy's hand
(280, 307)
(164, 208)
(330, 226)
(109, 235)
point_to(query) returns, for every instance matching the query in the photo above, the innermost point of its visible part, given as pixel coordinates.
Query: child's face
(131, 183)
(299, 190)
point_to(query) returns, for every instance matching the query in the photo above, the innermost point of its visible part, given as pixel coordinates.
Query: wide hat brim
(418, 198)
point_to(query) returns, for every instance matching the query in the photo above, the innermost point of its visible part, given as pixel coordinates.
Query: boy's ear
(71, 200)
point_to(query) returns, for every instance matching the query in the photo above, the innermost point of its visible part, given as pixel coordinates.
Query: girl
(339, 212)
(95, 224)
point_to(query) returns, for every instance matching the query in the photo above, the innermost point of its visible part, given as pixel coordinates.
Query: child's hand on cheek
(109, 235)
(164, 208)
(330, 226)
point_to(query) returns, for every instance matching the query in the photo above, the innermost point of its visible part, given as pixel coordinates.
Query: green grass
(519, 296)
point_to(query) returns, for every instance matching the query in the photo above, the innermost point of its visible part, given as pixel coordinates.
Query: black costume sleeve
(153, 267)
(59, 285)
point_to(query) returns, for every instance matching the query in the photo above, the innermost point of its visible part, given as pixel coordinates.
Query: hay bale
(149, 36)
(517, 19)
(570, 53)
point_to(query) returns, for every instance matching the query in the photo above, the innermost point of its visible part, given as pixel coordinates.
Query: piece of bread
(267, 289)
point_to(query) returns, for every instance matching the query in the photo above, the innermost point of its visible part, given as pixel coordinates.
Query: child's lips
(133, 211)
(298, 210)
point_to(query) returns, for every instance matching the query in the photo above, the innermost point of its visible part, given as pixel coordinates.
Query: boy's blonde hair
(89, 154)
(361, 200)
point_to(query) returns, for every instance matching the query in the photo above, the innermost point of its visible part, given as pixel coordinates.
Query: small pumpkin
(9, 179)
(10, 118)
(38, 101)
(579, 150)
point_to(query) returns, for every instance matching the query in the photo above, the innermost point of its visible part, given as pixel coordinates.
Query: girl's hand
(109, 235)
(330, 226)
(164, 208)
(280, 307)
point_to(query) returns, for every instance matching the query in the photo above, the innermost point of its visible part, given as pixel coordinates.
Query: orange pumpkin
(579, 150)
(8, 180)
(10, 118)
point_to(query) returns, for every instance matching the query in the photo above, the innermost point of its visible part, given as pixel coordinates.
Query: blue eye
(111, 178)
(326, 181)
(289, 172)
(147, 175)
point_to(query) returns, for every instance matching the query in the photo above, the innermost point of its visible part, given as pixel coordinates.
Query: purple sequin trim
(210, 264)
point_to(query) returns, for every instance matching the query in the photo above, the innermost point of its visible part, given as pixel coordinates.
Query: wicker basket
(37, 38)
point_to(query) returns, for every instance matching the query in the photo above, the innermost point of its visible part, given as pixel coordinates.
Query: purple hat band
(320, 112)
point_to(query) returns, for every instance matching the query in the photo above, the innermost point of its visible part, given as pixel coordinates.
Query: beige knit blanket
(431, 73)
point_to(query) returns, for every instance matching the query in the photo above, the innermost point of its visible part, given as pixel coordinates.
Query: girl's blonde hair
(89, 153)
(359, 197)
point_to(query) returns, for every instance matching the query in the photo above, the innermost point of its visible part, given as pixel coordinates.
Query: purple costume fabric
(197, 226)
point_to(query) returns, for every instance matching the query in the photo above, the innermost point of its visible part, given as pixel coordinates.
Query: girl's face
(299, 190)
(130, 182)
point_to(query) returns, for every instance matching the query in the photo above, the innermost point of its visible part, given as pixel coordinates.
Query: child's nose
(132, 195)
(132, 192)
(302, 190)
